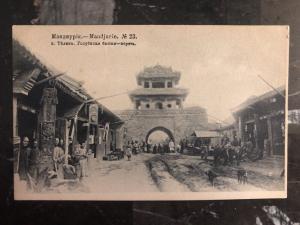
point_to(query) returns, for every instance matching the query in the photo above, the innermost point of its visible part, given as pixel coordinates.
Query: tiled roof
(254, 99)
(206, 134)
(158, 71)
(24, 81)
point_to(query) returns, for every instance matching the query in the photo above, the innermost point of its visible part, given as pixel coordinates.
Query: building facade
(261, 120)
(159, 105)
(47, 106)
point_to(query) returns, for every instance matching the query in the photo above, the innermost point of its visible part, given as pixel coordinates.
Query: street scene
(105, 120)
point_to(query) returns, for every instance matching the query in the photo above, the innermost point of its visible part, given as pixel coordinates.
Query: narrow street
(120, 176)
(178, 173)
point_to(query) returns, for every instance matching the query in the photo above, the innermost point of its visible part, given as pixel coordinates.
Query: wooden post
(270, 135)
(74, 131)
(15, 116)
(66, 141)
(47, 124)
(88, 137)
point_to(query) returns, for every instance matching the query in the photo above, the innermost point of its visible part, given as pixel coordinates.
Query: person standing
(128, 152)
(83, 160)
(155, 149)
(160, 149)
(24, 159)
(58, 159)
(172, 146)
(135, 147)
(76, 161)
(34, 159)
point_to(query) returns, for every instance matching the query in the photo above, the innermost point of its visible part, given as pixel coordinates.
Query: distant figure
(58, 159)
(242, 176)
(75, 160)
(178, 148)
(69, 172)
(34, 159)
(135, 147)
(155, 149)
(128, 152)
(24, 159)
(83, 160)
(70, 147)
(166, 148)
(267, 148)
(160, 149)
(172, 146)
(211, 177)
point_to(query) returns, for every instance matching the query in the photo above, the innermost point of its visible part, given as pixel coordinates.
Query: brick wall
(180, 123)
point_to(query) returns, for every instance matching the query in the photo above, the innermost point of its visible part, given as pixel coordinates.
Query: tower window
(169, 84)
(158, 105)
(146, 84)
(158, 85)
(169, 105)
(138, 105)
(147, 106)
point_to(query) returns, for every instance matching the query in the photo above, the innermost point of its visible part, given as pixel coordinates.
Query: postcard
(150, 112)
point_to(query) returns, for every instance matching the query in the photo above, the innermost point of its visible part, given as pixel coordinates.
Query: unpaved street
(190, 171)
(179, 173)
(121, 176)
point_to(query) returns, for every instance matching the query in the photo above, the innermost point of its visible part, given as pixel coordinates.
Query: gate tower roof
(158, 72)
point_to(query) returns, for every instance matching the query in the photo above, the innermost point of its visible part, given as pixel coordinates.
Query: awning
(206, 134)
(71, 113)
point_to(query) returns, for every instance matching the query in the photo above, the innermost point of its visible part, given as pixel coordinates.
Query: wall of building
(181, 123)
(152, 104)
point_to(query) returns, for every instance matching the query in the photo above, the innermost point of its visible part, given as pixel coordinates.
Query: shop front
(261, 120)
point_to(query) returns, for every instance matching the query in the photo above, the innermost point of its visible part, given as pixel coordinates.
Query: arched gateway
(163, 129)
(158, 105)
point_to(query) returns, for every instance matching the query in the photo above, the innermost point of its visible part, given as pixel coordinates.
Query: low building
(47, 106)
(205, 138)
(228, 130)
(261, 120)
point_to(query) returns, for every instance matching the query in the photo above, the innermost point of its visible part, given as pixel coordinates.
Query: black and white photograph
(150, 112)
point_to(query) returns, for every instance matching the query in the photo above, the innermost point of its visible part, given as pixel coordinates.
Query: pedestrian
(76, 161)
(24, 159)
(172, 146)
(34, 159)
(216, 154)
(83, 160)
(160, 149)
(128, 152)
(70, 147)
(135, 147)
(58, 159)
(166, 148)
(226, 154)
(178, 148)
(155, 149)
(145, 146)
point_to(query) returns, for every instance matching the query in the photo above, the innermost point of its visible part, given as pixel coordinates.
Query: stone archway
(165, 130)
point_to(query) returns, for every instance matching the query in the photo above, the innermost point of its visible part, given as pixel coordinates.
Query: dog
(242, 176)
(211, 177)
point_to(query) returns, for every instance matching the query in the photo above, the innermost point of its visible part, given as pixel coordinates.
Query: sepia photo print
(150, 112)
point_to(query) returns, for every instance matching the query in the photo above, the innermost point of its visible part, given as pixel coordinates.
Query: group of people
(228, 151)
(135, 147)
(162, 148)
(66, 165)
(28, 159)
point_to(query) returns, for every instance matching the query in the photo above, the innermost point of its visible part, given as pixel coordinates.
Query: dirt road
(121, 176)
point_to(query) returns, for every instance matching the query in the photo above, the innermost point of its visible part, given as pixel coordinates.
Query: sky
(218, 64)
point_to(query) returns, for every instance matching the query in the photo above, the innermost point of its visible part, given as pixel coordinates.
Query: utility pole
(266, 82)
